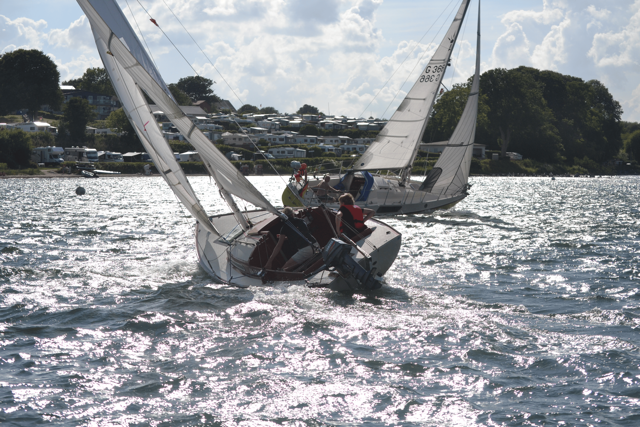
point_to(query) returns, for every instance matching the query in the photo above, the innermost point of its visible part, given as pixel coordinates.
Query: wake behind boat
(397, 145)
(234, 248)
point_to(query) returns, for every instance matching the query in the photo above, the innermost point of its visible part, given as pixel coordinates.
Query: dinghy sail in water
(234, 248)
(397, 144)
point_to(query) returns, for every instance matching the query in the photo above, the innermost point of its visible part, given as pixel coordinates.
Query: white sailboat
(397, 145)
(234, 247)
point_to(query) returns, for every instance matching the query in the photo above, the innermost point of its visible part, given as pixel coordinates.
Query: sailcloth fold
(396, 145)
(120, 42)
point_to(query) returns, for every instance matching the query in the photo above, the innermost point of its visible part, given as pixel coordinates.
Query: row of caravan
(54, 156)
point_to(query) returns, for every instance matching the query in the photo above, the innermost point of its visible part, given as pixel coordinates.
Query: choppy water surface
(518, 307)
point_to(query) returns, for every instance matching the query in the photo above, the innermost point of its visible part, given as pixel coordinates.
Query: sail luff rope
(405, 59)
(185, 59)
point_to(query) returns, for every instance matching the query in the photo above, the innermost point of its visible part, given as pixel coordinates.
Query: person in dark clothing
(351, 215)
(296, 233)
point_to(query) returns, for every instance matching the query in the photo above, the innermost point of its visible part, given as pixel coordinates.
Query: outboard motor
(337, 254)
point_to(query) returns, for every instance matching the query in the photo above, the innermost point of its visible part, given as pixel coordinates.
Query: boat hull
(228, 258)
(392, 199)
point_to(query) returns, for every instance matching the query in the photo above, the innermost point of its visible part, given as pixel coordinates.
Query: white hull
(231, 257)
(386, 197)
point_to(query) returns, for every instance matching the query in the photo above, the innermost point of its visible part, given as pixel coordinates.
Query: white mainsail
(109, 25)
(396, 145)
(455, 161)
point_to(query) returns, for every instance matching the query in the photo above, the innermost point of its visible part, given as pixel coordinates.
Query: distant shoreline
(55, 175)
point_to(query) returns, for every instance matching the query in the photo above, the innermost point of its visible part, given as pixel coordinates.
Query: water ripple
(520, 306)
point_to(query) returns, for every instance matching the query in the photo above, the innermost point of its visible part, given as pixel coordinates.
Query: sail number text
(432, 74)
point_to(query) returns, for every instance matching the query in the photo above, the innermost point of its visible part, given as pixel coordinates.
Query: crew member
(353, 216)
(290, 232)
(323, 190)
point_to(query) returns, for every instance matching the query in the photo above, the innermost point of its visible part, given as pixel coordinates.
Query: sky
(348, 57)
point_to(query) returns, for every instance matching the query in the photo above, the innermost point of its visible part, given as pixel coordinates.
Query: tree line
(543, 115)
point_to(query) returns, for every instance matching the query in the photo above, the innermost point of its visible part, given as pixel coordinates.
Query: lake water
(519, 307)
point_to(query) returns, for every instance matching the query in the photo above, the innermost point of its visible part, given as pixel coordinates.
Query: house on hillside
(102, 104)
(204, 105)
(223, 105)
(287, 152)
(35, 127)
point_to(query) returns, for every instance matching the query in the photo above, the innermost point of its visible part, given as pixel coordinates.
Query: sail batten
(420, 99)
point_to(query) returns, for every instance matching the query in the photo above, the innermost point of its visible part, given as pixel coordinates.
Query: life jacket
(357, 215)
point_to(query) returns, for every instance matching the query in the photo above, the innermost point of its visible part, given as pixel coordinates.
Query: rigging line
(168, 38)
(420, 59)
(185, 59)
(141, 33)
(403, 61)
(205, 55)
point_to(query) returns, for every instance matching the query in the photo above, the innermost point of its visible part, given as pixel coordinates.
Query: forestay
(109, 24)
(396, 145)
(455, 160)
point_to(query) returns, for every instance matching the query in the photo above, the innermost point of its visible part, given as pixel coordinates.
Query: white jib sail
(148, 131)
(396, 144)
(144, 74)
(455, 160)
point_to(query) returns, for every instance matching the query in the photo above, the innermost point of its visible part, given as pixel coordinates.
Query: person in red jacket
(353, 216)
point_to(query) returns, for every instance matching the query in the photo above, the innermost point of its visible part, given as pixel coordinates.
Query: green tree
(248, 109)
(308, 109)
(15, 148)
(634, 145)
(128, 139)
(181, 97)
(447, 112)
(517, 106)
(94, 80)
(269, 110)
(119, 122)
(585, 114)
(308, 130)
(314, 151)
(77, 113)
(30, 79)
(608, 113)
(42, 139)
(198, 88)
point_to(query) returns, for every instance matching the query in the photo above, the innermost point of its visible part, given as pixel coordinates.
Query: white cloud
(21, 33)
(338, 54)
(548, 16)
(552, 51)
(77, 36)
(618, 48)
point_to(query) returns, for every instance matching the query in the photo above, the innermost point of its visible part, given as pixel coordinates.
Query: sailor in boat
(296, 233)
(323, 190)
(353, 216)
